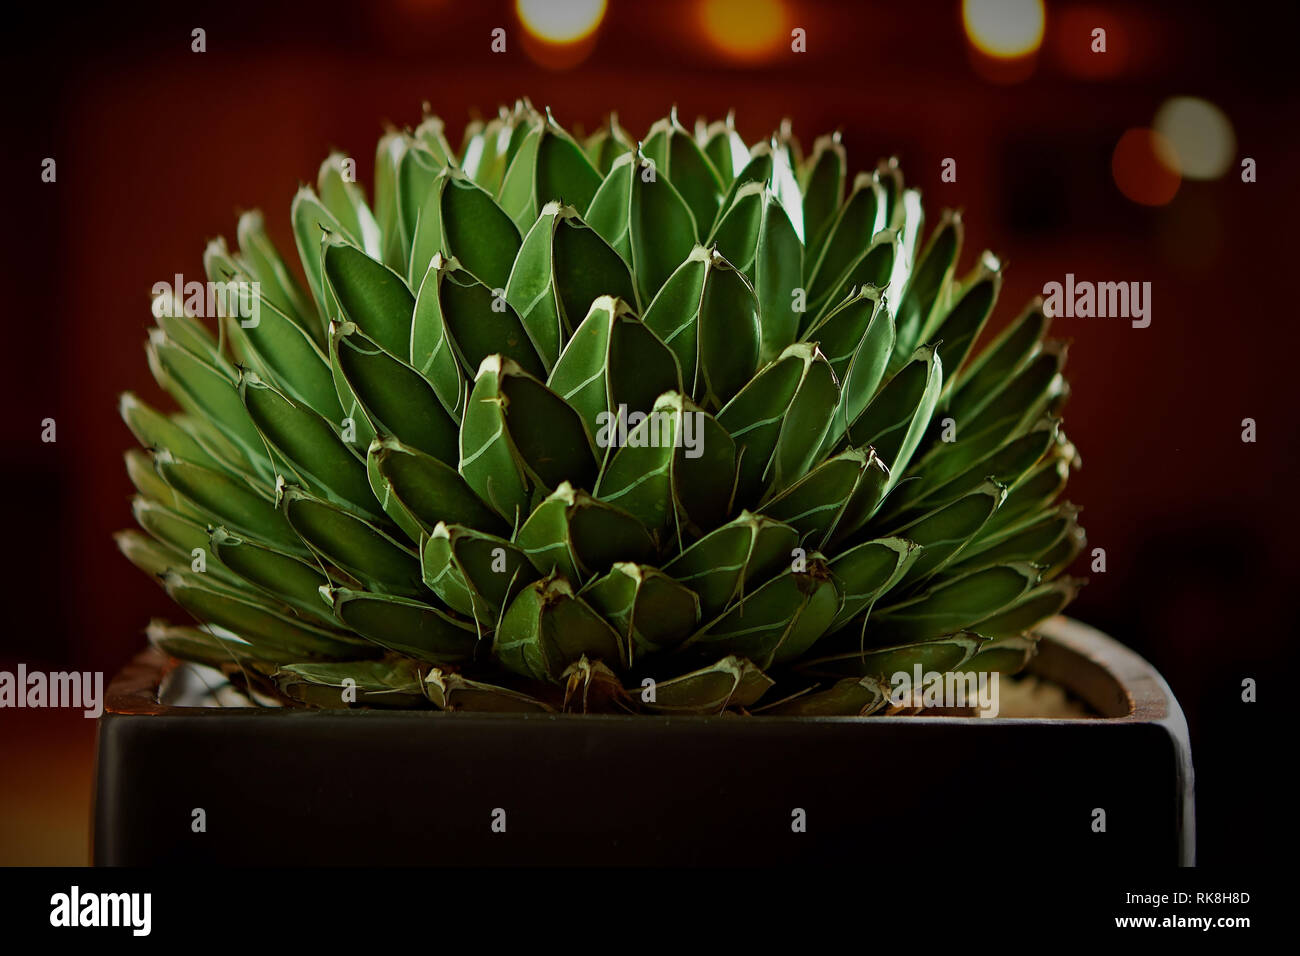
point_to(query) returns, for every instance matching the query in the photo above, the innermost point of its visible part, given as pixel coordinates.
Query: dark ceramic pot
(320, 787)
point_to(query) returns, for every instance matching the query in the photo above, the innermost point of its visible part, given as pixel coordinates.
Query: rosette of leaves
(674, 425)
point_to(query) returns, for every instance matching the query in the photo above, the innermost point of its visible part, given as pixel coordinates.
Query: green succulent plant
(666, 426)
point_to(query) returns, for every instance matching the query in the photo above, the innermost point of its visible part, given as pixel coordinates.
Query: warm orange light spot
(560, 21)
(1145, 167)
(745, 29)
(1007, 29)
(559, 34)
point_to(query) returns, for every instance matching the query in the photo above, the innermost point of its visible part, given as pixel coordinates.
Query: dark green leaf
(743, 553)
(475, 573)
(652, 611)
(563, 266)
(418, 491)
(677, 156)
(580, 536)
(371, 295)
(406, 626)
(547, 628)
(320, 459)
(394, 397)
(357, 546)
(461, 220)
(731, 682)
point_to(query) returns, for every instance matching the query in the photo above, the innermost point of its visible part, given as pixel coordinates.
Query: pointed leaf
(857, 338)
(1028, 540)
(651, 610)
(731, 682)
(405, 626)
(1007, 464)
(343, 197)
(613, 360)
(278, 635)
(394, 397)
(645, 220)
(416, 171)
(461, 220)
(207, 393)
(388, 163)
(872, 266)
(156, 431)
(1034, 492)
(676, 465)
(1001, 359)
(607, 144)
(813, 504)
(449, 690)
(881, 663)
(424, 491)
(183, 535)
(357, 546)
(311, 222)
(282, 576)
(944, 532)
(321, 460)
(547, 627)
(850, 697)
(707, 314)
(579, 536)
(563, 266)
(864, 500)
(392, 682)
(954, 604)
(928, 287)
(779, 418)
(777, 622)
(519, 437)
(549, 166)
(865, 572)
(960, 326)
(475, 573)
(1031, 609)
(823, 188)
(756, 235)
(678, 157)
(148, 483)
(740, 555)
(228, 500)
(432, 352)
(474, 320)
(896, 419)
(851, 230)
(371, 296)
(279, 286)
(1005, 655)
(724, 148)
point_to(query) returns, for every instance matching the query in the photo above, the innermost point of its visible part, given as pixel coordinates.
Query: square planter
(321, 787)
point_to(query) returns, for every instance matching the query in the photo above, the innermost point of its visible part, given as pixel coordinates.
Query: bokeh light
(1145, 167)
(745, 29)
(560, 21)
(1201, 136)
(1007, 29)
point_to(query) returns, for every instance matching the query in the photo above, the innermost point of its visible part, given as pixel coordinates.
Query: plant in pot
(635, 468)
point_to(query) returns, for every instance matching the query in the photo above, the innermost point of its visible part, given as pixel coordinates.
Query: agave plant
(603, 425)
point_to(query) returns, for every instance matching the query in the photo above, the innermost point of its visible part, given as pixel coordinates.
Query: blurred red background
(159, 148)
